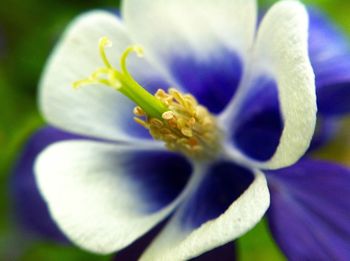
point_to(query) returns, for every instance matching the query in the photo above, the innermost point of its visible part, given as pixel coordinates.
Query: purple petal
(160, 176)
(204, 59)
(326, 129)
(225, 252)
(213, 81)
(310, 211)
(133, 252)
(224, 201)
(330, 57)
(129, 186)
(259, 130)
(223, 184)
(30, 209)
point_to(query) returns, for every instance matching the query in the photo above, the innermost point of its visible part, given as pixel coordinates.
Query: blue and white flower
(115, 182)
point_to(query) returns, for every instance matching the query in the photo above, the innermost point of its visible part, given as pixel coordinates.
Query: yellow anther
(139, 112)
(168, 115)
(187, 132)
(156, 123)
(141, 122)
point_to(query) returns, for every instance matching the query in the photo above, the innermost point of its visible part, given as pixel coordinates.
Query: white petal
(92, 110)
(176, 243)
(281, 53)
(98, 198)
(176, 27)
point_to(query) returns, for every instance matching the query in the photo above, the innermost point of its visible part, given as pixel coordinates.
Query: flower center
(172, 117)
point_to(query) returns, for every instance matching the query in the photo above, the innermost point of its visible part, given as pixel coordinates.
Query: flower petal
(98, 110)
(226, 252)
(258, 131)
(280, 55)
(225, 202)
(330, 57)
(203, 49)
(310, 211)
(105, 196)
(30, 209)
(326, 130)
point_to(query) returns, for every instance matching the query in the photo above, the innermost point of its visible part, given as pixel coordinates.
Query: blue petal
(199, 47)
(330, 57)
(326, 129)
(159, 176)
(133, 252)
(225, 252)
(223, 184)
(212, 80)
(222, 202)
(260, 127)
(334, 99)
(125, 183)
(30, 209)
(310, 211)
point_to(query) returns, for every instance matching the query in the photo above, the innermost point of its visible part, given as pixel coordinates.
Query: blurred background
(29, 30)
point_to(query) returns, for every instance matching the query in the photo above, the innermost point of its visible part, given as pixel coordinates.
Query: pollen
(186, 127)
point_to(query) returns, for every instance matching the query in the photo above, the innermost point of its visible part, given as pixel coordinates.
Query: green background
(28, 32)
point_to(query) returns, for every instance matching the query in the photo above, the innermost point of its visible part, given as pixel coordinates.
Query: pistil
(122, 81)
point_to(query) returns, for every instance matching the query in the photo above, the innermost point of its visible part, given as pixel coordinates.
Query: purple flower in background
(309, 212)
(108, 189)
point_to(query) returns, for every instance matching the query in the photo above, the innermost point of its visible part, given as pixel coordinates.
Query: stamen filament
(134, 48)
(103, 43)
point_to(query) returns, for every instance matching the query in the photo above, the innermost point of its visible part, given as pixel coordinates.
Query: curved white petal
(281, 53)
(170, 28)
(176, 243)
(98, 198)
(92, 110)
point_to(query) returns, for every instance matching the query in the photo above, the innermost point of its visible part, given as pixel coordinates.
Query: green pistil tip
(122, 81)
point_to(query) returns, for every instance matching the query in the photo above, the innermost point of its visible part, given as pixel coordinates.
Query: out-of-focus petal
(30, 209)
(330, 57)
(325, 131)
(310, 211)
(105, 196)
(224, 204)
(202, 48)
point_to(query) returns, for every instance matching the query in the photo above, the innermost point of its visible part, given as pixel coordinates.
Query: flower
(115, 183)
(309, 211)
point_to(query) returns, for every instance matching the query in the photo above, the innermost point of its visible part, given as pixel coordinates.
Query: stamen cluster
(186, 127)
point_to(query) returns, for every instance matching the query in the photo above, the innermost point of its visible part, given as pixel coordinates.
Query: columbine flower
(241, 104)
